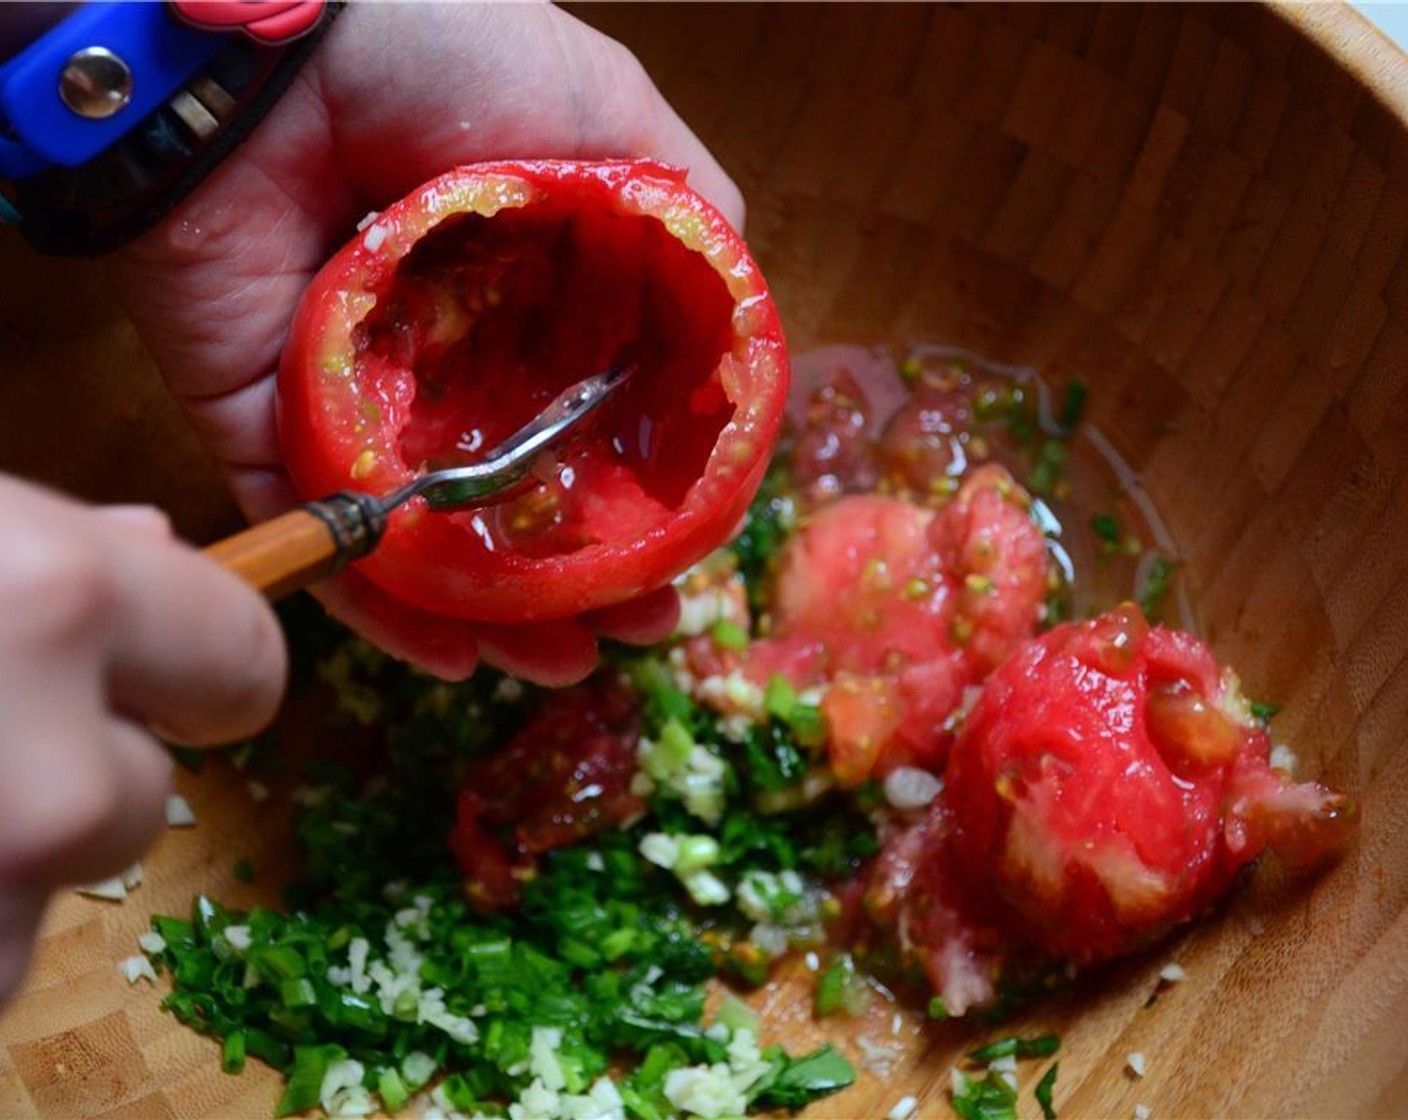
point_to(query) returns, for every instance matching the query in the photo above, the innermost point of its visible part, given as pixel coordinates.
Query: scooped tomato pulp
(460, 311)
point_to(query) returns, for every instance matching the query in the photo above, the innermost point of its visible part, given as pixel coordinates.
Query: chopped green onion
(1040, 1047)
(990, 1098)
(305, 1078)
(841, 989)
(1044, 1088)
(1263, 713)
(780, 698)
(804, 1079)
(1107, 528)
(1154, 588)
(1073, 407)
(729, 635)
(737, 1015)
(232, 1052)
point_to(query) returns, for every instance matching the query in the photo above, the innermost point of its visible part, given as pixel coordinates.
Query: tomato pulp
(463, 309)
(1108, 785)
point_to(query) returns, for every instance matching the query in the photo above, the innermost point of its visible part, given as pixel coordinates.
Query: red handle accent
(265, 21)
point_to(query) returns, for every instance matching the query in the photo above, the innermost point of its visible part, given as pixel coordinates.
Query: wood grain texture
(1203, 210)
(279, 556)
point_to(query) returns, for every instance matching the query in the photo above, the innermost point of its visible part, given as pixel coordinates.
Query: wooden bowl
(1203, 211)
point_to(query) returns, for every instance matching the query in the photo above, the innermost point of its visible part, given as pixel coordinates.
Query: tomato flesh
(1082, 817)
(480, 298)
(564, 776)
(895, 610)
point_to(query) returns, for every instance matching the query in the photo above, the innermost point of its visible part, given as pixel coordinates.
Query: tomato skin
(1093, 827)
(343, 416)
(565, 776)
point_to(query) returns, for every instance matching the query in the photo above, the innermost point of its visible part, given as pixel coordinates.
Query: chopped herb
(1044, 1089)
(989, 1098)
(1154, 588)
(841, 990)
(766, 528)
(729, 635)
(938, 1009)
(1048, 469)
(305, 1078)
(801, 1080)
(244, 870)
(232, 1053)
(771, 757)
(1263, 713)
(1015, 1047)
(1073, 406)
(1107, 528)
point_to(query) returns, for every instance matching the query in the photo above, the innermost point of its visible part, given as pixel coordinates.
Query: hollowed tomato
(464, 308)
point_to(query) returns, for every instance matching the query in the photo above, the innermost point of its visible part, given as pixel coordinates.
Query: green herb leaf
(1044, 1088)
(1154, 589)
(1263, 713)
(1107, 527)
(1073, 406)
(802, 1080)
(305, 1079)
(990, 1098)
(729, 635)
(1041, 1047)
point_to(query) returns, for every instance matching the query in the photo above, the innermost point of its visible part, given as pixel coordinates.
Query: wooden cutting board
(1201, 210)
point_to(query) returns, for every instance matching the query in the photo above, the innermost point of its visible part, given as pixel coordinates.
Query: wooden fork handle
(304, 545)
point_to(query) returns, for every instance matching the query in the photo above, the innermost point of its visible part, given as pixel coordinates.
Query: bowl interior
(1202, 211)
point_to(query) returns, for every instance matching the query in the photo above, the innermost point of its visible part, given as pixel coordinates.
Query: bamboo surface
(1202, 210)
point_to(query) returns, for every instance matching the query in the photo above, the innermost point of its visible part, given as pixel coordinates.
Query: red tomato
(565, 776)
(465, 307)
(1110, 782)
(912, 608)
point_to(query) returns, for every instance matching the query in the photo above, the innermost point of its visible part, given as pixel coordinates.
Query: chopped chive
(1044, 1088)
(1073, 406)
(1263, 713)
(232, 1052)
(1107, 528)
(1154, 587)
(1040, 1047)
(729, 635)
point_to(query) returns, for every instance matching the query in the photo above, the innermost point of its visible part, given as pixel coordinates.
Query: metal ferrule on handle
(305, 544)
(356, 522)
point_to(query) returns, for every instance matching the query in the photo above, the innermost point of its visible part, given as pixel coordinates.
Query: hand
(393, 96)
(111, 627)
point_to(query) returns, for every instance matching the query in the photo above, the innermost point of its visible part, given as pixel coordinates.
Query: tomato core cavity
(495, 316)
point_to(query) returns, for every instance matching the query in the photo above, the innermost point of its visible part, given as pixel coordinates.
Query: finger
(445, 647)
(193, 649)
(626, 105)
(178, 641)
(20, 911)
(532, 82)
(555, 654)
(84, 794)
(642, 622)
(142, 518)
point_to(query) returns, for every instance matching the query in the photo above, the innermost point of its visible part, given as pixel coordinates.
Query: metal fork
(318, 538)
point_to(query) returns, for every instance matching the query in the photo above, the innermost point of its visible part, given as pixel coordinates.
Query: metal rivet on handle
(95, 83)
